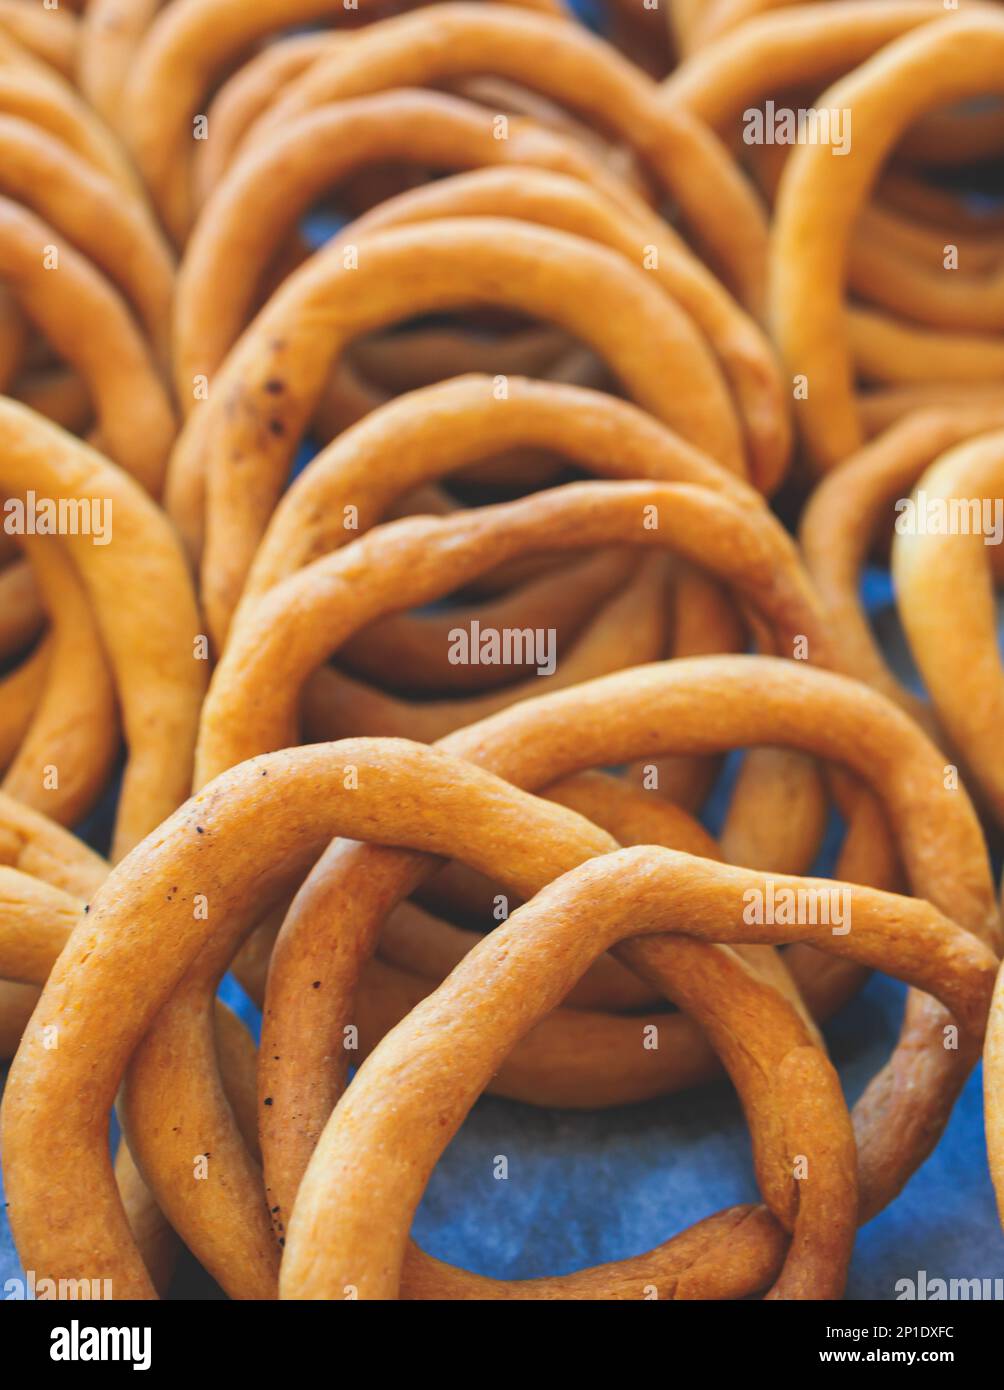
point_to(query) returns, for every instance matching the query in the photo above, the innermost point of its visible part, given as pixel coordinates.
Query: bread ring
(135, 417)
(957, 657)
(224, 822)
(358, 1171)
(772, 53)
(111, 32)
(548, 741)
(22, 616)
(74, 730)
(438, 430)
(150, 639)
(246, 94)
(565, 63)
(20, 693)
(843, 517)
(691, 974)
(282, 178)
(820, 198)
(114, 232)
(189, 45)
(629, 630)
(299, 623)
(745, 357)
(638, 330)
(47, 34)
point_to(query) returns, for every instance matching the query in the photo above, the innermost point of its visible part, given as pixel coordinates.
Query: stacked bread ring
(430, 447)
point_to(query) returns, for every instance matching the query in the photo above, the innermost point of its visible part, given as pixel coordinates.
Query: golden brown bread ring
(918, 289)
(208, 858)
(248, 92)
(84, 318)
(416, 942)
(724, 1256)
(746, 358)
(22, 616)
(614, 720)
(68, 750)
(37, 846)
(629, 630)
(350, 1224)
(112, 229)
(774, 53)
(51, 35)
(267, 390)
(695, 978)
(20, 692)
(36, 919)
(438, 430)
(945, 599)
(845, 515)
(34, 92)
(230, 252)
(410, 652)
(567, 64)
(888, 351)
(884, 407)
(111, 32)
(820, 198)
(299, 623)
(188, 47)
(141, 594)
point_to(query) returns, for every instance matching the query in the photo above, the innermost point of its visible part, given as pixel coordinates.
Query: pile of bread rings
(329, 332)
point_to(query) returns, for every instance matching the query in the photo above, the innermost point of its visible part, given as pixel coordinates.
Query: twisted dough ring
(314, 790)
(51, 35)
(282, 178)
(549, 199)
(247, 94)
(956, 650)
(74, 724)
(777, 52)
(90, 326)
(435, 431)
(116, 233)
(619, 715)
(141, 594)
(36, 918)
(188, 46)
(349, 1226)
(297, 624)
(746, 358)
(566, 64)
(820, 197)
(695, 706)
(273, 378)
(844, 514)
(32, 91)
(111, 32)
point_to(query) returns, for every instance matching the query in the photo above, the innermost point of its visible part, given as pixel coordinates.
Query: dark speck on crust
(268, 1100)
(274, 386)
